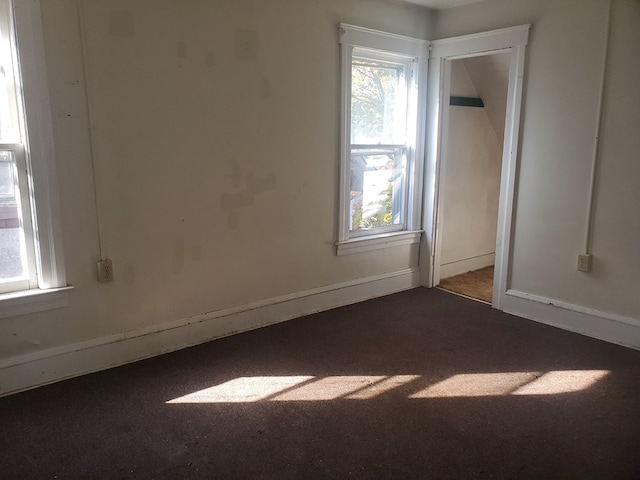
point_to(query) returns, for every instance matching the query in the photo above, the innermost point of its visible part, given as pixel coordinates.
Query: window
(31, 264)
(17, 265)
(382, 147)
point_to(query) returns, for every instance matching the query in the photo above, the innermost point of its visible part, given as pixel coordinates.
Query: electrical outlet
(105, 270)
(584, 263)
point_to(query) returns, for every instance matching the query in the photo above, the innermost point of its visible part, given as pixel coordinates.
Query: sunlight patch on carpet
(306, 388)
(513, 383)
(562, 382)
(242, 390)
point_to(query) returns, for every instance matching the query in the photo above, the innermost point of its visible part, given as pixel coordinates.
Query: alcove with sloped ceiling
(470, 182)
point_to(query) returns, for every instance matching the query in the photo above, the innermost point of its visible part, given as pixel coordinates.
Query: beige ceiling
(442, 4)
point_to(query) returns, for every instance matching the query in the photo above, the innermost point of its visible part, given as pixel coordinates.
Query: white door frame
(511, 40)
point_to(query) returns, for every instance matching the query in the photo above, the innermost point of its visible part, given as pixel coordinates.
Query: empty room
(226, 229)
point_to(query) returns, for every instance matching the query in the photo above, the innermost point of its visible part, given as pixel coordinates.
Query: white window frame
(416, 53)
(49, 288)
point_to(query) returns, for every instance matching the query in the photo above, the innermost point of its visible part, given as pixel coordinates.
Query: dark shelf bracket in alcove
(466, 101)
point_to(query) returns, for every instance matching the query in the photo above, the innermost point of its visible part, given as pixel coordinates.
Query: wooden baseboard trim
(52, 365)
(605, 326)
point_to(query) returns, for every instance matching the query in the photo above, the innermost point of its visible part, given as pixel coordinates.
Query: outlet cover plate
(105, 270)
(584, 262)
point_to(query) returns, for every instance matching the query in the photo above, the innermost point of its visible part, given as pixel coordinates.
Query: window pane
(377, 189)
(378, 103)
(12, 261)
(9, 124)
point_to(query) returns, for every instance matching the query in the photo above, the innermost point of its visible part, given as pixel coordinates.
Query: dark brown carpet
(476, 284)
(422, 384)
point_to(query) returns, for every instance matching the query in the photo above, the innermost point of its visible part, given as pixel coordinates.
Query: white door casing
(514, 41)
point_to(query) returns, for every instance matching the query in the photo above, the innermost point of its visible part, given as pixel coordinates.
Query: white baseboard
(52, 365)
(592, 323)
(466, 265)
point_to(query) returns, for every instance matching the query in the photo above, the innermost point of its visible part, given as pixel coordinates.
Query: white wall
(215, 140)
(557, 135)
(470, 183)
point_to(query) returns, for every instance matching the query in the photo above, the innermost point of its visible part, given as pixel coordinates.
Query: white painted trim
(431, 171)
(31, 301)
(497, 41)
(416, 173)
(46, 209)
(375, 242)
(481, 42)
(508, 174)
(444, 91)
(466, 265)
(55, 364)
(346, 56)
(586, 321)
(384, 41)
(416, 53)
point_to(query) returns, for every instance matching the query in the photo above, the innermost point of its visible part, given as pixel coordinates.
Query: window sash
(359, 44)
(22, 199)
(400, 184)
(35, 158)
(395, 96)
(398, 194)
(11, 111)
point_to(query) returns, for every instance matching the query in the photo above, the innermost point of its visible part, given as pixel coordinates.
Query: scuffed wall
(214, 137)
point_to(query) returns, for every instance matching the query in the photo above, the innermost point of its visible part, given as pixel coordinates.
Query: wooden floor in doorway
(477, 284)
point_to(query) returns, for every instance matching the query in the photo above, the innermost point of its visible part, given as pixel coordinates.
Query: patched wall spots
(247, 44)
(233, 201)
(121, 24)
(182, 51)
(265, 89)
(246, 197)
(259, 185)
(236, 173)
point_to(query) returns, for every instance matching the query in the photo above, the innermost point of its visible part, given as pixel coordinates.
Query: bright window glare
(513, 383)
(562, 382)
(477, 385)
(384, 385)
(328, 388)
(355, 387)
(242, 390)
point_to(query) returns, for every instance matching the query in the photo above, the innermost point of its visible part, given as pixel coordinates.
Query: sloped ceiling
(490, 77)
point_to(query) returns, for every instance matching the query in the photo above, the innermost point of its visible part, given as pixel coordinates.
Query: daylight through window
(380, 142)
(32, 274)
(379, 101)
(17, 257)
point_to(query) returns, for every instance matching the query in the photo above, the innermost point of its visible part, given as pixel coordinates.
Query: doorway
(471, 164)
(503, 47)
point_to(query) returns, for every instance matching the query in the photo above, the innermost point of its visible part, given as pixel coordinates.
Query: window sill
(375, 242)
(31, 301)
